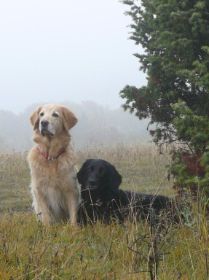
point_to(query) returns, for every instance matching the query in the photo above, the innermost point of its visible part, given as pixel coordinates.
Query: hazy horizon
(97, 126)
(65, 51)
(67, 103)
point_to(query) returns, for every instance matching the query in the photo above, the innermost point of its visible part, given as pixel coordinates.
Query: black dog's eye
(101, 170)
(41, 114)
(55, 115)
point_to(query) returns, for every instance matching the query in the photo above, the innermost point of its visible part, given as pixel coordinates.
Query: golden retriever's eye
(55, 115)
(41, 114)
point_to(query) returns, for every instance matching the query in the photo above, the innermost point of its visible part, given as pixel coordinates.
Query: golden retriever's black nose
(44, 124)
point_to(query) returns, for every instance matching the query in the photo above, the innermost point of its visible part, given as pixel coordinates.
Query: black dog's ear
(81, 175)
(115, 179)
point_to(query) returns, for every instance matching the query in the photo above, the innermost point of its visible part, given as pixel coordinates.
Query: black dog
(103, 200)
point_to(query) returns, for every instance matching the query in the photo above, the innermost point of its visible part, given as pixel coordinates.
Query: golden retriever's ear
(69, 119)
(34, 118)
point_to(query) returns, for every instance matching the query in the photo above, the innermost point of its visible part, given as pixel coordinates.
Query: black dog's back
(151, 207)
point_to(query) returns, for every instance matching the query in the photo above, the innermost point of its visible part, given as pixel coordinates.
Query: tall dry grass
(29, 250)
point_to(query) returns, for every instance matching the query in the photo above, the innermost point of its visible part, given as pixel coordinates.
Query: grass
(29, 250)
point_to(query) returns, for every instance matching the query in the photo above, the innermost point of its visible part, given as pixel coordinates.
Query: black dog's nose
(44, 124)
(92, 182)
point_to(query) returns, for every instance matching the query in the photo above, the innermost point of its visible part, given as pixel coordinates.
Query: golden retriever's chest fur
(58, 173)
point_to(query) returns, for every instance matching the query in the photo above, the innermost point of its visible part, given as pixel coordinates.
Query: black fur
(151, 207)
(103, 200)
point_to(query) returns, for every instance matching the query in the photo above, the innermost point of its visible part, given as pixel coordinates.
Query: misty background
(69, 52)
(97, 126)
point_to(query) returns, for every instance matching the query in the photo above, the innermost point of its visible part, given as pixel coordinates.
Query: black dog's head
(97, 174)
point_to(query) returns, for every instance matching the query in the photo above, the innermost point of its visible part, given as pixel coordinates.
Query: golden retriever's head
(51, 120)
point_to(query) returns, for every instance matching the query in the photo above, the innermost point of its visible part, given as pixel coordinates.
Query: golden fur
(54, 188)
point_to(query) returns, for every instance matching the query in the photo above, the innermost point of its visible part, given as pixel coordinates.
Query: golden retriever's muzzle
(45, 128)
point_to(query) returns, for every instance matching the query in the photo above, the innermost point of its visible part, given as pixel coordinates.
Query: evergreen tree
(175, 37)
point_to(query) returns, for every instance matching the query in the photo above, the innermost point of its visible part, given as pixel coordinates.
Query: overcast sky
(66, 50)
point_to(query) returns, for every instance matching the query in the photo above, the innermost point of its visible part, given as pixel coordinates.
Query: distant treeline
(97, 125)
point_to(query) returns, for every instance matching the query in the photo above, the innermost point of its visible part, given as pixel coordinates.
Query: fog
(97, 126)
(64, 51)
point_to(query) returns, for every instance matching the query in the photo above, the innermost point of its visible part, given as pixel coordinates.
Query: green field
(130, 251)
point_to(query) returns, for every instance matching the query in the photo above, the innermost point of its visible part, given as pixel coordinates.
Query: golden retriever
(54, 188)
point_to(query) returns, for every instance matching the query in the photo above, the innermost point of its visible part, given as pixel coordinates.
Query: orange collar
(46, 155)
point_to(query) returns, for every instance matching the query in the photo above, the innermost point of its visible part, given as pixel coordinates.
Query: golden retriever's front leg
(41, 208)
(73, 203)
(45, 216)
